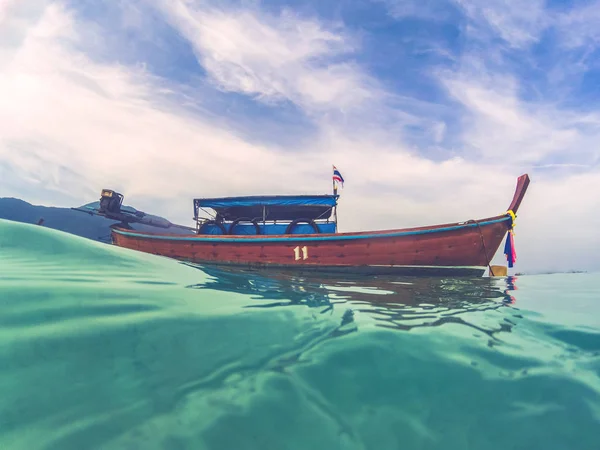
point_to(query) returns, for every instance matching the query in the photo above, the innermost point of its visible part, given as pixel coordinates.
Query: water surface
(102, 347)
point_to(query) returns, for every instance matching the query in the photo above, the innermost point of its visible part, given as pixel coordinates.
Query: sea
(107, 348)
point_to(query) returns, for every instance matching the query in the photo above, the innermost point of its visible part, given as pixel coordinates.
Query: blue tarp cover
(273, 200)
(271, 229)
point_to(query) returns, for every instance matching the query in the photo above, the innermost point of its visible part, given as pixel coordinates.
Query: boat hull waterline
(456, 250)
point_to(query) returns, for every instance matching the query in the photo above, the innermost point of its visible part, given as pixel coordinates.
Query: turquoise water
(105, 348)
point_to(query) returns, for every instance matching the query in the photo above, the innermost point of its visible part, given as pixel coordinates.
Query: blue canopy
(268, 200)
(271, 207)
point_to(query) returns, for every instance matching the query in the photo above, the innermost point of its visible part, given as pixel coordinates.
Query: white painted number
(297, 253)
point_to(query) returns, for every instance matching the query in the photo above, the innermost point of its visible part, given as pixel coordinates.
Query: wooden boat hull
(458, 249)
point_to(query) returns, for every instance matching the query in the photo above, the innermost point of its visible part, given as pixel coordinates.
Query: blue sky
(430, 108)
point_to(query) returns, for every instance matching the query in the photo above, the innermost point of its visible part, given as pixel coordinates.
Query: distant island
(550, 272)
(63, 219)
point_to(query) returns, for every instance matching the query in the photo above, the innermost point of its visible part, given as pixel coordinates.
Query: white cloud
(518, 22)
(522, 23)
(435, 10)
(579, 26)
(499, 125)
(273, 57)
(5, 7)
(62, 113)
(60, 109)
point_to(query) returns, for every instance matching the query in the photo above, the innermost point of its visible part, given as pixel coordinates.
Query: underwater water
(106, 348)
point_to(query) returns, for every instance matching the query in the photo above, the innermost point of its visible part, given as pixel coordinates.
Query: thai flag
(337, 176)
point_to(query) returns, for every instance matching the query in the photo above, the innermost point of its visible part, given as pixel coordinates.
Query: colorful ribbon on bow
(509, 246)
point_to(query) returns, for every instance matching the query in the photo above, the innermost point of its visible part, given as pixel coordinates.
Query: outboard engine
(111, 207)
(110, 202)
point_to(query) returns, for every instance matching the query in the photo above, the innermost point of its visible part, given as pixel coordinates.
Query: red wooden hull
(454, 249)
(464, 248)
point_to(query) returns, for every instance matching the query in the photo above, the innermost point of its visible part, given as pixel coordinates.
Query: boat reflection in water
(403, 303)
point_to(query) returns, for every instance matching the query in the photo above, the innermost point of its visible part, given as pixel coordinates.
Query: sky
(430, 109)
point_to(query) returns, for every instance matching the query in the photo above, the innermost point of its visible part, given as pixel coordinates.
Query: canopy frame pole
(335, 207)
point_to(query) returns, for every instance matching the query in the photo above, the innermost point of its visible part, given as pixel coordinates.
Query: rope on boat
(513, 217)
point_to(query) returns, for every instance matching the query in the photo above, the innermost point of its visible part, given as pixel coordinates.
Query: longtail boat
(299, 232)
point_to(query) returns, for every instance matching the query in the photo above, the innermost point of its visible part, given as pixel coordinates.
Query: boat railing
(260, 226)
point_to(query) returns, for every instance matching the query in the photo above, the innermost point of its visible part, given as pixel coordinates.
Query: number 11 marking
(304, 253)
